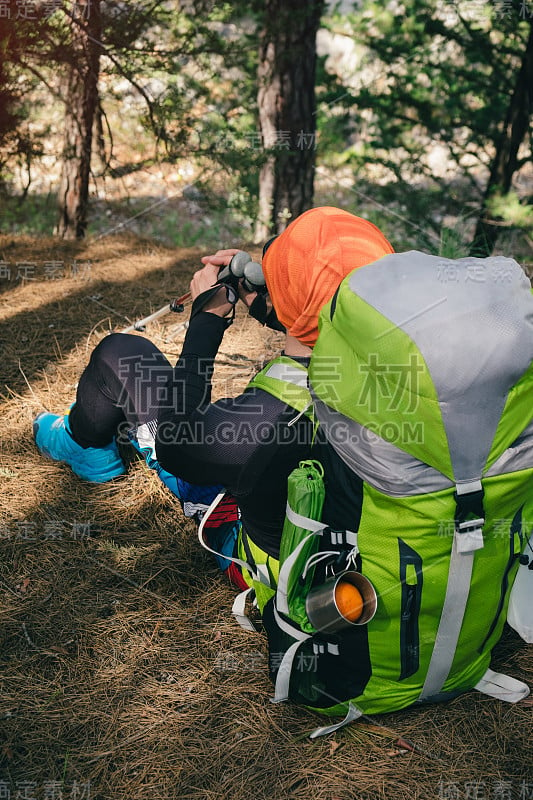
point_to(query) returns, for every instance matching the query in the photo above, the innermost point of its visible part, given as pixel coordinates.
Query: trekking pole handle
(240, 270)
(242, 267)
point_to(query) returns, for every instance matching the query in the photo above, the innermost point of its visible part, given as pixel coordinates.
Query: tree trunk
(505, 161)
(81, 105)
(287, 118)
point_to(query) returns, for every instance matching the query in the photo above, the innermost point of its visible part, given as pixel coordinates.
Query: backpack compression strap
(468, 538)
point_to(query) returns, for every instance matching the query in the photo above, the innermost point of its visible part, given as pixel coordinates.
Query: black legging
(243, 443)
(123, 385)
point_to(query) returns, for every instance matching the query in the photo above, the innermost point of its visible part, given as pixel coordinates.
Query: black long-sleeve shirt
(243, 443)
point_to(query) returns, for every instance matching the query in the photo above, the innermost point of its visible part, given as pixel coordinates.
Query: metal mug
(321, 603)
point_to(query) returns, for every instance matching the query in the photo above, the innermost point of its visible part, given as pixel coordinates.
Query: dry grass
(123, 675)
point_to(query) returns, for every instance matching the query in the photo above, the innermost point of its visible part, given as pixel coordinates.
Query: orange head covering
(305, 264)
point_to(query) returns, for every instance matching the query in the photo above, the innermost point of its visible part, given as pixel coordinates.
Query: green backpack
(422, 383)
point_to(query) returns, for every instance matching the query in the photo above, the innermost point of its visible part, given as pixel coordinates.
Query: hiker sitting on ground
(244, 443)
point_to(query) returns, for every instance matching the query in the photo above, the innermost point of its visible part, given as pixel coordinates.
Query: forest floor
(123, 675)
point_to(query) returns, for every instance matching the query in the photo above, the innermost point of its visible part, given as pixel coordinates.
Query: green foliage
(510, 209)
(217, 222)
(452, 241)
(425, 105)
(427, 73)
(20, 142)
(439, 73)
(189, 71)
(334, 116)
(33, 214)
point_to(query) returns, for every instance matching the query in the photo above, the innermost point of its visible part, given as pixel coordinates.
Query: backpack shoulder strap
(285, 379)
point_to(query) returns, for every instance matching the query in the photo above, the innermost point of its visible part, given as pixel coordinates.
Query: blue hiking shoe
(95, 464)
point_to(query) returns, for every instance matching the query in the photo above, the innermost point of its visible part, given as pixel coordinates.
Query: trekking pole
(241, 267)
(177, 306)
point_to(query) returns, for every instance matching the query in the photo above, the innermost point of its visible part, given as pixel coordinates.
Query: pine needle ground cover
(123, 675)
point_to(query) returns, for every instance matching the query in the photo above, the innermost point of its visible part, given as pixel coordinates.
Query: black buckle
(469, 506)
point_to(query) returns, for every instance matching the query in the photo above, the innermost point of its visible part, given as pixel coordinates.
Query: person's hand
(205, 279)
(220, 259)
(218, 304)
(246, 296)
